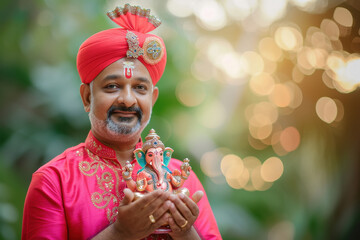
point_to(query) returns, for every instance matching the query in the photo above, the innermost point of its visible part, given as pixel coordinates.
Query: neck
(123, 146)
(125, 155)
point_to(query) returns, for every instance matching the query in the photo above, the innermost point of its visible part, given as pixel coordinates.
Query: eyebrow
(116, 76)
(111, 77)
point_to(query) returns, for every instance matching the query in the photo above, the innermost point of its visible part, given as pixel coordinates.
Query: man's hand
(184, 212)
(133, 221)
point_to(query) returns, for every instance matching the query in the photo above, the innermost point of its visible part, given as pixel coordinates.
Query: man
(81, 194)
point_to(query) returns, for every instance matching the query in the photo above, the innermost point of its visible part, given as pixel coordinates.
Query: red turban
(105, 47)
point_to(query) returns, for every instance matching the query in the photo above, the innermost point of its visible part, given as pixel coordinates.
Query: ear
(85, 94)
(155, 95)
(140, 157)
(167, 155)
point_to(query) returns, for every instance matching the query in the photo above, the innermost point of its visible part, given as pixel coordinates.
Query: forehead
(117, 69)
(154, 149)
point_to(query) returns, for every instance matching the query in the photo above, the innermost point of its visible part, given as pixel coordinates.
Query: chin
(125, 134)
(118, 132)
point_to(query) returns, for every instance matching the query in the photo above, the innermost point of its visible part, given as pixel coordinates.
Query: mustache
(137, 110)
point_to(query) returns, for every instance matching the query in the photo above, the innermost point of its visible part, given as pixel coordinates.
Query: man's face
(120, 106)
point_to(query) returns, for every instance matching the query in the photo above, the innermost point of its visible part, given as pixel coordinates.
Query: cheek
(100, 105)
(146, 107)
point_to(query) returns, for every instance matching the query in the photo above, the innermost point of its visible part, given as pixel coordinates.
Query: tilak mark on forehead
(128, 69)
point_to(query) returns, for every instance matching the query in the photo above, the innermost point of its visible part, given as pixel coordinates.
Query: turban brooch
(132, 40)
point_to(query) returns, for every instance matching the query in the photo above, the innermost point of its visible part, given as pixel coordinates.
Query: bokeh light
(190, 93)
(233, 169)
(239, 10)
(330, 28)
(269, 49)
(326, 109)
(210, 14)
(290, 139)
(315, 38)
(254, 62)
(297, 75)
(281, 95)
(257, 180)
(262, 84)
(272, 169)
(270, 11)
(288, 38)
(296, 96)
(233, 64)
(180, 8)
(261, 116)
(304, 4)
(210, 163)
(348, 73)
(343, 17)
(340, 110)
(306, 60)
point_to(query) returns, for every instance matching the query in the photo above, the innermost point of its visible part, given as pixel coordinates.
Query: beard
(121, 128)
(112, 130)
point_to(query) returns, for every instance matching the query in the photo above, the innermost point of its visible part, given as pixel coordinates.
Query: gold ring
(152, 219)
(186, 222)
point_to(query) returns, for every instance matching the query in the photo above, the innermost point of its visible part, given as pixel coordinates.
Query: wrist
(110, 233)
(190, 234)
(117, 233)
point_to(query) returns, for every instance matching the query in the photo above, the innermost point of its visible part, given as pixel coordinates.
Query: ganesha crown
(152, 141)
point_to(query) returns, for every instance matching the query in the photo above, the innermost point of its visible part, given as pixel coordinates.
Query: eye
(150, 154)
(161, 153)
(141, 87)
(111, 86)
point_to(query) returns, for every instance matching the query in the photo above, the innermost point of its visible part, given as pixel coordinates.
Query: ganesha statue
(154, 159)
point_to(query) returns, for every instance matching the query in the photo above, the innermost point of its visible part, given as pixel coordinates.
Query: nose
(126, 97)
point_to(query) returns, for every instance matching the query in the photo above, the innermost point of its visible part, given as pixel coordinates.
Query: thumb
(197, 196)
(128, 197)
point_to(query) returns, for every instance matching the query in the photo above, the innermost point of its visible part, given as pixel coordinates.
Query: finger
(158, 201)
(144, 201)
(129, 196)
(191, 203)
(196, 197)
(152, 201)
(183, 206)
(163, 209)
(180, 211)
(174, 227)
(162, 221)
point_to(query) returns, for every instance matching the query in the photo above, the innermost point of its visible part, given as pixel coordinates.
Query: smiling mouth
(124, 114)
(124, 117)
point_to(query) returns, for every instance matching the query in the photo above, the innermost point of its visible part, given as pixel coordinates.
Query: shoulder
(63, 161)
(51, 177)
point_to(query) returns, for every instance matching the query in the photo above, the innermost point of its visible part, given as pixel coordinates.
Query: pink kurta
(76, 195)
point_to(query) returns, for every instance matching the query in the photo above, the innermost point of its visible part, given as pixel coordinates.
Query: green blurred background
(261, 95)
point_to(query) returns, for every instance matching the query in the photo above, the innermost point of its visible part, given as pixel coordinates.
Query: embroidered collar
(103, 151)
